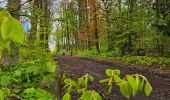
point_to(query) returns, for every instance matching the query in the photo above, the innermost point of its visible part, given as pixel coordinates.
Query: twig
(20, 6)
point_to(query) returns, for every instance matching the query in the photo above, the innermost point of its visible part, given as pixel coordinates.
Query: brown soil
(76, 67)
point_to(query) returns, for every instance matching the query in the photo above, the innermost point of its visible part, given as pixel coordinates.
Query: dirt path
(77, 67)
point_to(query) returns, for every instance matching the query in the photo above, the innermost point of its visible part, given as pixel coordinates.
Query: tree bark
(96, 27)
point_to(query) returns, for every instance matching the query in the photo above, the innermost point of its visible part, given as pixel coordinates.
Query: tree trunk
(96, 27)
(34, 23)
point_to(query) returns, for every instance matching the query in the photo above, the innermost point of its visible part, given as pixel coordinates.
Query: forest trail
(76, 67)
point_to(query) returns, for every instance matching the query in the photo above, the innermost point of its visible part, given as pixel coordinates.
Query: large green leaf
(147, 89)
(110, 72)
(134, 83)
(141, 84)
(117, 79)
(17, 31)
(43, 95)
(5, 80)
(67, 96)
(6, 28)
(125, 89)
(91, 95)
(29, 90)
(51, 67)
(12, 29)
(4, 13)
(4, 44)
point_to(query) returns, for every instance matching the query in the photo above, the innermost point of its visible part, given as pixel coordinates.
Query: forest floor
(76, 67)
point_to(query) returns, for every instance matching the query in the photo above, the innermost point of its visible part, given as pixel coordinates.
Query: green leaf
(116, 72)
(90, 78)
(30, 69)
(29, 90)
(136, 85)
(117, 79)
(4, 44)
(91, 95)
(147, 89)
(109, 90)
(104, 81)
(141, 85)
(51, 67)
(12, 29)
(73, 83)
(80, 90)
(69, 89)
(109, 72)
(67, 81)
(6, 28)
(4, 13)
(81, 81)
(4, 92)
(125, 89)
(67, 96)
(43, 95)
(5, 80)
(17, 73)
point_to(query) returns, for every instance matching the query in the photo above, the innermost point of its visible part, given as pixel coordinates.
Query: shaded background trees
(125, 27)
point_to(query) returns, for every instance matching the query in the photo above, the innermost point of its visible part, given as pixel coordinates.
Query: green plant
(23, 80)
(129, 85)
(10, 30)
(39, 94)
(26, 76)
(80, 87)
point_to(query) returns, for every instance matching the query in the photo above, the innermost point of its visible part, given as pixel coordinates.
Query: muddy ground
(76, 67)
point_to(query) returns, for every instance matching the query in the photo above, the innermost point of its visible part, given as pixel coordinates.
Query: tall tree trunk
(96, 26)
(87, 25)
(34, 23)
(45, 24)
(81, 4)
(130, 18)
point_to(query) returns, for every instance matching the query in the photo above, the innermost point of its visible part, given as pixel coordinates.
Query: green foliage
(91, 95)
(148, 61)
(5, 80)
(129, 86)
(23, 80)
(81, 87)
(67, 96)
(10, 30)
(70, 85)
(83, 81)
(39, 94)
(4, 92)
(147, 89)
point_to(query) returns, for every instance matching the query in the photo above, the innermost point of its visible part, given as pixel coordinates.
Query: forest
(84, 49)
